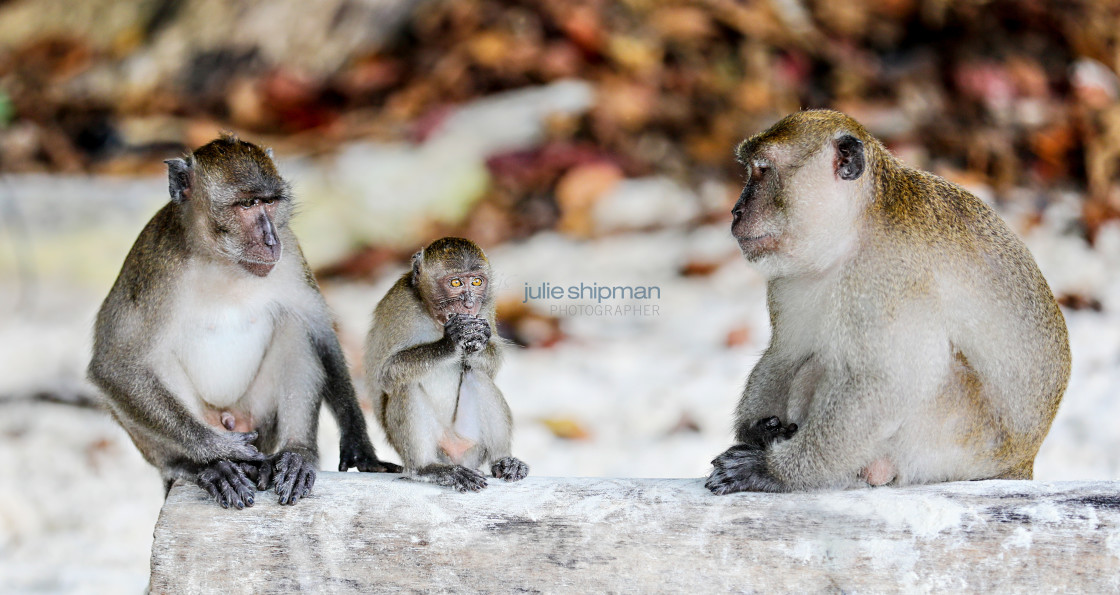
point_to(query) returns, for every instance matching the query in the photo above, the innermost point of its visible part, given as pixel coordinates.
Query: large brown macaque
(914, 339)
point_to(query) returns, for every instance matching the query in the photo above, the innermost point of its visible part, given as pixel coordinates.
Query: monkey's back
(1001, 319)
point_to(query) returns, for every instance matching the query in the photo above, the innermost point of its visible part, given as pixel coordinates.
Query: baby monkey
(430, 363)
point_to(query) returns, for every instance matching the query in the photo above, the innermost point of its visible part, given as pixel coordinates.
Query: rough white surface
(365, 533)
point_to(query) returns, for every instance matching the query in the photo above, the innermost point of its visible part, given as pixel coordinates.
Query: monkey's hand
(228, 483)
(289, 473)
(468, 333)
(742, 468)
(766, 432)
(238, 446)
(509, 469)
(360, 454)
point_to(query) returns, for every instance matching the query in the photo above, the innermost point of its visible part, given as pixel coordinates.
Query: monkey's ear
(178, 179)
(416, 260)
(849, 157)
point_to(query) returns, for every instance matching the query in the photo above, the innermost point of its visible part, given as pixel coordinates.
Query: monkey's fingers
(234, 482)
(207, 481)
(292, 476)
(303, 485)
(741, 469)
(242, 448)
(467, 480)
(264, 475)
(284, 475)
(221, 481)
(509, 469)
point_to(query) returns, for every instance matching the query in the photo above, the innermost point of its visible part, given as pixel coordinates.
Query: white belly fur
(221, 349)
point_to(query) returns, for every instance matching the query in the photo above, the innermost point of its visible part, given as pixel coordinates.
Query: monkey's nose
(268, 233)
(736, 214)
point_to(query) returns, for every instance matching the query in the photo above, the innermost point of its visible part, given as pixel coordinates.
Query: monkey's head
(805, 191)
(235, 201)
(453, 277)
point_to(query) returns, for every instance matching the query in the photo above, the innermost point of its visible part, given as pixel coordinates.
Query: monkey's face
(759, 216)
(799, 207)
(459, 292)
(260, 244)
(242, 203)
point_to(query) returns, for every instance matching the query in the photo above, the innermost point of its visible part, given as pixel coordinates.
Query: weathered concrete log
(362, 533)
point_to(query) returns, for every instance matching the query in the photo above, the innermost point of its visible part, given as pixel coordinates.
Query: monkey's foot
(742, 468)
(509, 469)
(227, 483)
(362, 456)
(289, 473)
(453, 476)
(766, 432)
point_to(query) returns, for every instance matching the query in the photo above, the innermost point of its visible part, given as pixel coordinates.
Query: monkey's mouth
(260, 262)
(449, 310)
(757, 245)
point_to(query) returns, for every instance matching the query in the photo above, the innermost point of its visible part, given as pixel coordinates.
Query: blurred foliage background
(1002, 95)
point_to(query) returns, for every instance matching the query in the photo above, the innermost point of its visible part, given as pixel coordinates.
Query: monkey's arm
(355, 448)
(405, 366)
(488, 360)
(766, 393)
(153, 415)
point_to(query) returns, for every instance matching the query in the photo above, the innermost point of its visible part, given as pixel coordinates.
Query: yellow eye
(456, 283)
(476, 281)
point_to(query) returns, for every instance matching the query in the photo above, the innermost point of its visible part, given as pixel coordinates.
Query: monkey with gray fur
(914, 339)
(214, 349)
(430, 362)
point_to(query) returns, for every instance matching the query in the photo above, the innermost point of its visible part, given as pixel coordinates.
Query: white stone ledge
(363, 533)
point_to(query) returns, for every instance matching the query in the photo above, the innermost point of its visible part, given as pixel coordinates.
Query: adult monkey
(214, 348)
(914, 339)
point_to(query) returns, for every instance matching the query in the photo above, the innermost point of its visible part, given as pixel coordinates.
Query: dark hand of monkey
(509, 469)
(227, 483)
(289, 473)
(456, 476)
(767, 431)
(360, 454)
(742, 468)
(469, 333)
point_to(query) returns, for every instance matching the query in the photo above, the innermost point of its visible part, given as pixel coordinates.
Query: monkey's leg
(493, 421)
(289, 383)
(355, 448)
(413, 429)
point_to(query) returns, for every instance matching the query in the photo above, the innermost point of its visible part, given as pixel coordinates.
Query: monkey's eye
(476, 281)
(456, 283)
